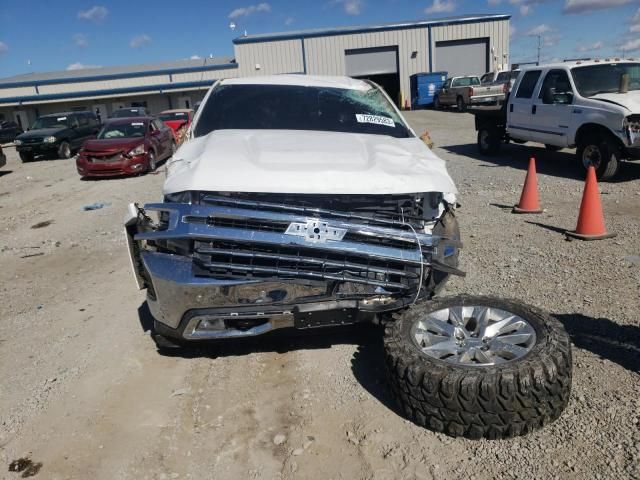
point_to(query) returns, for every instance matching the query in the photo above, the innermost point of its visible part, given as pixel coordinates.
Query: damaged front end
(220, 265)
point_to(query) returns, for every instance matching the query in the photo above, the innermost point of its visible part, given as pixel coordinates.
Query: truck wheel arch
(589, 129)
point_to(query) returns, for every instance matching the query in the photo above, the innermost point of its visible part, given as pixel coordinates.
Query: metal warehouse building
(388, 54)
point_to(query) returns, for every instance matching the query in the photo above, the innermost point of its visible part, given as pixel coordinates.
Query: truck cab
(592, 106)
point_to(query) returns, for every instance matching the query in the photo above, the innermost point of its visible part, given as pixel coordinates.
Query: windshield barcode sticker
(375, 119)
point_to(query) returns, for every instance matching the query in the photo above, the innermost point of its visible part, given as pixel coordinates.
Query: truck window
(556, 88)
(466, 81)
(488, 78)
(502, 77)
(528, 84)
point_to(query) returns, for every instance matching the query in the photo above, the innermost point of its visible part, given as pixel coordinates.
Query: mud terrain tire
(476, 401)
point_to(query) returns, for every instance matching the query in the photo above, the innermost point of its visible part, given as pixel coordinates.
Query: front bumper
(122, 166)
(38, 148)
(487, 100)
(208, 294)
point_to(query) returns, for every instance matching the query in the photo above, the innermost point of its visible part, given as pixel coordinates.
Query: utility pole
(539, 47)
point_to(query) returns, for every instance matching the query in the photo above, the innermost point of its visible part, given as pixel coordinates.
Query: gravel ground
(85, 394)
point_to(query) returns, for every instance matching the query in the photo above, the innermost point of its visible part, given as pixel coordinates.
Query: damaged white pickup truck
(304, 202)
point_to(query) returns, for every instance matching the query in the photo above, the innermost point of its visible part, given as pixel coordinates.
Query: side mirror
(548, 96)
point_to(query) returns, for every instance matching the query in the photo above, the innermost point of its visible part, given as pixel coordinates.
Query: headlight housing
(139, 150)
(17, 142)
(50, 139)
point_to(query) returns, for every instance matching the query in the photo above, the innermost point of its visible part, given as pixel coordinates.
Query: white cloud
(582, 6)
(353, 7)
(493, 3)
(539, 30)
(551, 40)
(195, 57)
(525, 10)
(635, 23)
(251, 9)
(441, 6)
(81, 66)
(96, 14)
(4, 48)
(140, 41)
(288, 21)
(512, 30)
(81, 40)
(631, 45)
(590, 48)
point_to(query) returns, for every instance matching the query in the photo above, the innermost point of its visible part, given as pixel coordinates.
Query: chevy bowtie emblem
(316, 231)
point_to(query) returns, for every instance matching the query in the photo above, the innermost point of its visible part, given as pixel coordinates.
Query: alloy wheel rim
(473, 335)
(66, 151)
(152, 161)
(591, 156)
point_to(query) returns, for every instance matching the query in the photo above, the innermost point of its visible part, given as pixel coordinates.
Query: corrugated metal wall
(269, 58)
(326, 55)
(496, 31)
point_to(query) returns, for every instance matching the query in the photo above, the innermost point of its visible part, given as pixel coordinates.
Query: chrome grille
(237, 261)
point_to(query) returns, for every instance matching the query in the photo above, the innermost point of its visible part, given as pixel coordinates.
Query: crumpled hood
(287, 161)
(629, 100)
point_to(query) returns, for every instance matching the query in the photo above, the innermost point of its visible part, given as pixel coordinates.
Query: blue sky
(57, 35)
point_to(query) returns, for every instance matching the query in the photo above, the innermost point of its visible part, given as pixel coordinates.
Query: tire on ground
(446, 226)
(64, 150)
(26, 157)
(461, 106)
(499, 401)
(610, 154)
(489, 141)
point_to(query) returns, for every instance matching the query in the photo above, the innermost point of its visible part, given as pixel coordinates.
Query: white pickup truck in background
(592, 106)
(500, 77)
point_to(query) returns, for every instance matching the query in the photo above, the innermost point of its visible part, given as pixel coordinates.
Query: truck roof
(574, 63)
(302, 81)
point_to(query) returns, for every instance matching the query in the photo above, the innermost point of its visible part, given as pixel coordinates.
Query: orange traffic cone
(591, 219)
(529, 201)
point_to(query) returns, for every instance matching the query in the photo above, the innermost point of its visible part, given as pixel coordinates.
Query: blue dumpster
(424, 86)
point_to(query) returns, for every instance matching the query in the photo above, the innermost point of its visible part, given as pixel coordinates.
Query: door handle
(533, 109)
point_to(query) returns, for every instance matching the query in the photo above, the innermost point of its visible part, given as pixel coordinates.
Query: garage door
(364, 62)
(463, 57)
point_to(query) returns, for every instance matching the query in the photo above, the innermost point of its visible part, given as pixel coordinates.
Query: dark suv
(58, 134)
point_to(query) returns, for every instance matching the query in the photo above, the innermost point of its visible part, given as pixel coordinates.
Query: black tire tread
(475, 402)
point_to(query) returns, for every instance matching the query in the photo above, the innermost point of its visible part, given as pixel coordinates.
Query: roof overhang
(300, 34)
(109, 93)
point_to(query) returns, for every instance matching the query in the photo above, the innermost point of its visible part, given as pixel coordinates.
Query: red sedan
(178, 120)
(126, 146)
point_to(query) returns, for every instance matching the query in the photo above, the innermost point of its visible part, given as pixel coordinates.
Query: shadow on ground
(367, 363)
(612, 341)
(5, 172)
(557, 164)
